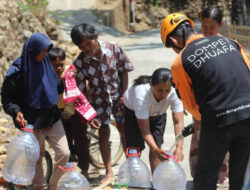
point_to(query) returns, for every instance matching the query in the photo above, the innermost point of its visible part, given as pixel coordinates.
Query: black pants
(76, 132)
(133, 133)
(214, 144)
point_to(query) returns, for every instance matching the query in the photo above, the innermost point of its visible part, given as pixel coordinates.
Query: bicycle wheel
(47, 166)
(47, 169)
(115, 144)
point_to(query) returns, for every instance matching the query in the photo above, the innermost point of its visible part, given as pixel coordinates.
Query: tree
(209, 3)
(235, 12)
(244, 12)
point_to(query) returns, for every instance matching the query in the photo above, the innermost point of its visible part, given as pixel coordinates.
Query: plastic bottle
(169, 175)
(72, 179)
(134, 172)
(22, 155)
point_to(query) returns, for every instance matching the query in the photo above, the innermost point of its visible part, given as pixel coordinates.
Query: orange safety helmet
(170, 23)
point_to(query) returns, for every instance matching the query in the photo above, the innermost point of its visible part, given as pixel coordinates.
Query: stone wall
(115, 13)
(15, 28)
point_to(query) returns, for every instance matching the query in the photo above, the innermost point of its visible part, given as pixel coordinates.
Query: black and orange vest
(212, 76)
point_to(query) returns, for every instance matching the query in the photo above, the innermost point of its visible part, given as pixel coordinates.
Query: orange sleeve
(245, 57)
(184, 86)
(244, 54)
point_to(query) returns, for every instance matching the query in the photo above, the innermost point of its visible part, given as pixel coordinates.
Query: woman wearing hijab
(30, 94)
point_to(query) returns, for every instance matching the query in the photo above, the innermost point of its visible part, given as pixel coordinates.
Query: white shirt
(140, 99)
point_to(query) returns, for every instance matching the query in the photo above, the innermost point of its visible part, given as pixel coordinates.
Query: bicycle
(115, 143)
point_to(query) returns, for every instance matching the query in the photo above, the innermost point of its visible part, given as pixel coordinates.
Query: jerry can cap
(171, 156)
(133, 151)
(69, 166)
(28, 127)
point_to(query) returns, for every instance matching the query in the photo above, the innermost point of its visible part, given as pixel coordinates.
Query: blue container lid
(69, 165)
(29, 126)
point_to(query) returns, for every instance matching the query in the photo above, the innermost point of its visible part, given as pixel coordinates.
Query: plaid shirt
(104, 78)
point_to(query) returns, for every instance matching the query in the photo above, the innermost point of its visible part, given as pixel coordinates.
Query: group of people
(209, 78)
(211, 75)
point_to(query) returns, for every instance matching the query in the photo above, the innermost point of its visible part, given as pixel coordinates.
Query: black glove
(188, 130)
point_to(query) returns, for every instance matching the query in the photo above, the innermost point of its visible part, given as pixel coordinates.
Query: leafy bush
(153, 2)
(38, 7)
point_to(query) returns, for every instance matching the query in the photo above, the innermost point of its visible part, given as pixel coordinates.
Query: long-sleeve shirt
(13, 101)
(212, 76)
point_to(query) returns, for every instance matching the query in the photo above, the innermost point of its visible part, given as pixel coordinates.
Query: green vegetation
(33, 5)
(155, 3)
(39, 9)
(58, 17)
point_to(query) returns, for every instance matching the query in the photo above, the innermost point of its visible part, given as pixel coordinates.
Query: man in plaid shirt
(105, 66)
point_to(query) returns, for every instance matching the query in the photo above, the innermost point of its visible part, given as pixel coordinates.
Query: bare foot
(107, 179)
(85, 173)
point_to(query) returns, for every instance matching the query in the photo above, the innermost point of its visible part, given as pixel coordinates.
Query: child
(75, 129)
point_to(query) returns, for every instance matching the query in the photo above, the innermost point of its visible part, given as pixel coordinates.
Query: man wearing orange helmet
(211, 75)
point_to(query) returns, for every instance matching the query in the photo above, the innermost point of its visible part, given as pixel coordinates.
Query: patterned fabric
(73, 94)
(193, 158)
(61, 104)
(104, 78)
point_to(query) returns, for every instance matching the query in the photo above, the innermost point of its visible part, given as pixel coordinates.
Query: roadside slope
(76, 12)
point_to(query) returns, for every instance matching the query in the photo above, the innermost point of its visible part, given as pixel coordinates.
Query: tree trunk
(244, 12)
(209, 3)
(235, 12)
(154, 2)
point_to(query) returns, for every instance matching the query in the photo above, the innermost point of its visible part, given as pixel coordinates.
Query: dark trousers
(76, 132)
(213, 146)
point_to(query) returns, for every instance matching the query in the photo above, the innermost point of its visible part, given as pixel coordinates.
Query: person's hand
(20, 119)
(121, 100)
(74, 72)
(94, 123)
(121, 104)
(185, 112)
(179, 153)
(66, 115)
(162, 155)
